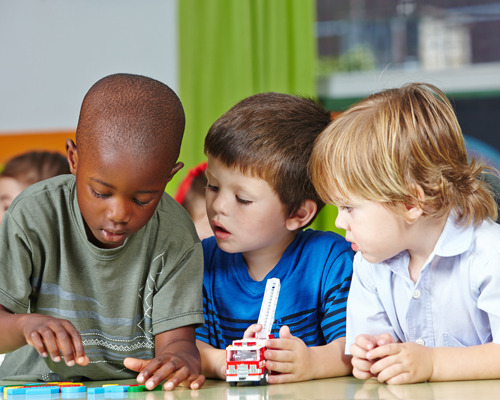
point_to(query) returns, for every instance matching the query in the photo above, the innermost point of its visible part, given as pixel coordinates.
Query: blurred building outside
(365, 46)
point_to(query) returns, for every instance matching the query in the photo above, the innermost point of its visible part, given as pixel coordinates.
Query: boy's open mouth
(219, 230)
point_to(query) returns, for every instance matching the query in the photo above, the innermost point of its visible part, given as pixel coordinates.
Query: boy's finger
(49, 339)
(366, 342)
(83, 361)
(383, 364)
(79, 350)
(252, 330)
(383, 351)
(198, 382)
(390, 372)
(149, 372)
(285, 332)
(282, 378)
(357, 351)
(385, 338)
(362, 365)
(179, 376)
(65, 344)
(280, 344)
(282, 355)
(135, 364)
(361, 374)
(36, 341)
(283, 367)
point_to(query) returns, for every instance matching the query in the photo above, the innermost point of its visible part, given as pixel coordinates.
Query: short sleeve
(337, 285)
(15, 266)
(209, 332)
(178, 301)
(365, 312)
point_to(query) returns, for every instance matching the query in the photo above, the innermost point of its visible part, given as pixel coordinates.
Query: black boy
(107, 265)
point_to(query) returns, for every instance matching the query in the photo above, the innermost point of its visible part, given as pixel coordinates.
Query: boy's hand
(252, 331)
(290, 356)
(402, 363)
(177, 358)
(49, 335)
(360, 362)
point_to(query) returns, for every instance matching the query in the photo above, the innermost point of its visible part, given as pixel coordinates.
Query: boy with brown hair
(103, 269)
(259, 200)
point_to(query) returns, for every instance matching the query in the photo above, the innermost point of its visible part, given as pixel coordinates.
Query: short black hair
(134, 112)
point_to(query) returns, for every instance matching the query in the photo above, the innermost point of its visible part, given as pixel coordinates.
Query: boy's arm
(48, 335)
(213, 361)
(410, 362)
(176, 358)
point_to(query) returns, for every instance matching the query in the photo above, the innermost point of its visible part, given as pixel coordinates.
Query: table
(334, 388)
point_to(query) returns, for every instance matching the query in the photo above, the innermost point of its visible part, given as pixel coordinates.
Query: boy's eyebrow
(112, 187)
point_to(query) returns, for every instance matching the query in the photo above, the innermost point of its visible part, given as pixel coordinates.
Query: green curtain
(230, 50)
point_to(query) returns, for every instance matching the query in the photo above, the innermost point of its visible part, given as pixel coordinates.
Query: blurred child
(259, 200)
(191, 195)
(424, 301)
(103, 270)
(25, 170)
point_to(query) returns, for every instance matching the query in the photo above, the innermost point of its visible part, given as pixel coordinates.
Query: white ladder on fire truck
(268, 308)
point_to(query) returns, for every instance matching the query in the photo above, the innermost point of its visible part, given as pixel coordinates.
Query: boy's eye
(142, 203)
(99, 195)
(245, 202)
(345, 208)
(212, 188)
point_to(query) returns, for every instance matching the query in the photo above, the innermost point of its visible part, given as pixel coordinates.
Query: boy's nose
(219, 205)
(118, 212)
(340, 221)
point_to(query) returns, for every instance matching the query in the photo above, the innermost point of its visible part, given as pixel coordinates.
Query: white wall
(52, 51)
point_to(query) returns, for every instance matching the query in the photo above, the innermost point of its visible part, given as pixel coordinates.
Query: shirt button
(416, 294)
(420, 341)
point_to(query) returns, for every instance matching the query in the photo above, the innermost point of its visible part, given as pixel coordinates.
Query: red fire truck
(245, 360)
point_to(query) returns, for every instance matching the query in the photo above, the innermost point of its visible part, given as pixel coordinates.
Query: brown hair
(35, 166)
(384, 146)
(271, 136)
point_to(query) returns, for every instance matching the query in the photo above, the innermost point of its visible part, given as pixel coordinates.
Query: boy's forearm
(212, 360)
(482, 362)
(331, 360)
(180, 341)
(10, 331)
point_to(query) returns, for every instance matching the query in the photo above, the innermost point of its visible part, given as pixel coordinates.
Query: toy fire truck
(245, 358)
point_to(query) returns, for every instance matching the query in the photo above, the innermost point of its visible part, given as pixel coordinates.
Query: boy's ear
(71, 155)
(415, 212)
(302, 217)
(177, 168)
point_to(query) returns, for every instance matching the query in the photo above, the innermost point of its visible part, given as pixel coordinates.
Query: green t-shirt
(118, 299)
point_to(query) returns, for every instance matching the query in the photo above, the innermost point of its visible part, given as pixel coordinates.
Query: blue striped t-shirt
(315, 273)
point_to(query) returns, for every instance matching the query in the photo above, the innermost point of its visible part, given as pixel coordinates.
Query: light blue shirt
(455, 302)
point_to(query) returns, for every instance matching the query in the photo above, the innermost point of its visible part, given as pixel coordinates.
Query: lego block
(137, 388)
(95, 390)
(73, 389)
(42, 390)
(115, 388)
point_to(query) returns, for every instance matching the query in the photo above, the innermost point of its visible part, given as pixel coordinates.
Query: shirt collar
(454, 239)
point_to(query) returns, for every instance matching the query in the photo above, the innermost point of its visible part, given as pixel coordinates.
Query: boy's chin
(226, 247)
